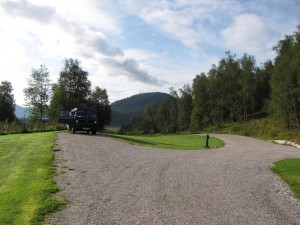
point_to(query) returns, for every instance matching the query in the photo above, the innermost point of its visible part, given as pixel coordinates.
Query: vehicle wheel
(73, 131)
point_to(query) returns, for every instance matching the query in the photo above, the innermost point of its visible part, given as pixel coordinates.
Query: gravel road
(106, 181)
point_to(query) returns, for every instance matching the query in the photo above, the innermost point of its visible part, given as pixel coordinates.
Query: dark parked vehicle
(79, 119)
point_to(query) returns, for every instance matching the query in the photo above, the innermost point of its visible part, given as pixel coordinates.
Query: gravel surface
(106, 181)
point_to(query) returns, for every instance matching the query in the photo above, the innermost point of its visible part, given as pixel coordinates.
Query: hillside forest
(233, 90)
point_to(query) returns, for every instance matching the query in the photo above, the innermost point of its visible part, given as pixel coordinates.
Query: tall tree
(201, 102)
(285, 82)
(185, 107)
(58, 102)
(7, 102)
(263, 90)
(98, 100)
(72, 89)
(172, 105)
(150, 117)
(163, 117)
(228, 74)
(248, 84)
(37, 94)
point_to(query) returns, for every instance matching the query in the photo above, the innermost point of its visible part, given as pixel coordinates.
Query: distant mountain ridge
(21, 112)
(125, 109)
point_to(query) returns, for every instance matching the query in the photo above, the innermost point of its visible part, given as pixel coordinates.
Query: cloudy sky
(135, 46)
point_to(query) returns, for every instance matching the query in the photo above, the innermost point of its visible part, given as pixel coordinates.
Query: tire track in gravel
(106, 181)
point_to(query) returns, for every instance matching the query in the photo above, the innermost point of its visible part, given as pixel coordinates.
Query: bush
(12, 127)
(26, 126)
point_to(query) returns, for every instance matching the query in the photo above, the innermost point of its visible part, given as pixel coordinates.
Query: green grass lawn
(26, 178)
(289, 171)
(171, 141)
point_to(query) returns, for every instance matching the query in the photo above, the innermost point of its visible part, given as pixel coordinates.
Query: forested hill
(124, 110)
(21, 112)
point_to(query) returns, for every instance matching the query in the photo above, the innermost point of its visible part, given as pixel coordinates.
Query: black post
(207, 137)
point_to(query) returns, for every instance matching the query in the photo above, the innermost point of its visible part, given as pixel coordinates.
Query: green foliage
(200, 102)
(228, 92)
(263, 85)
(234, 90)
(98, 100)
(123, 111)
(285, 82)
(172, 141)
(72, 89)
(7, 102)
(150, 115)
(37, 94)
(185, 108)
(14, 127)
(266, 129)
(141, 100)
(289, 171)
(26, 178)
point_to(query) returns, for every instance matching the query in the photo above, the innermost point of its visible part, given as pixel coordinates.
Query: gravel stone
(106, 181)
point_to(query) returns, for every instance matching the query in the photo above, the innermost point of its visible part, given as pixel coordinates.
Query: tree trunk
(245, 113)
(295, 113)
(253, 119)
(219, 122)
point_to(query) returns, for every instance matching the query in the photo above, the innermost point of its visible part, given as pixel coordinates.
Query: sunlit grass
(26, 178)
(289, 171)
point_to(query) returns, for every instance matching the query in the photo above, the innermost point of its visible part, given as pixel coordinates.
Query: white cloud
(85, 12)
(57, 34)
(25, 9)
(176, 23)
(34, 32)
(248, 33)
(184, 20)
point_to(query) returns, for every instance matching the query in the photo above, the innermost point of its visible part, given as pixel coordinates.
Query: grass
(289, 171)
(266, 129)
(171, 141)
(26, 178)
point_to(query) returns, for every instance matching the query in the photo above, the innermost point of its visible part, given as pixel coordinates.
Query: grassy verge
(171, 141)
(289, 171)
(26, 178)
(266, 129)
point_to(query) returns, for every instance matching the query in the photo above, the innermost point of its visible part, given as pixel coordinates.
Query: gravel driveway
(106, 181)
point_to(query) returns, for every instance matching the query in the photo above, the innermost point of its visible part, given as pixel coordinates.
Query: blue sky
(135, 46)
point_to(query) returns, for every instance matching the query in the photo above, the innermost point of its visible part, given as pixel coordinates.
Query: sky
(135, 46)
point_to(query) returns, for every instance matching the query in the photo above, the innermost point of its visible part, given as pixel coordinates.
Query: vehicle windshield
(85, 114)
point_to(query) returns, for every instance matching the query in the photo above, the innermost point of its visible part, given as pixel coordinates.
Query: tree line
(45, 99)
(234, 90)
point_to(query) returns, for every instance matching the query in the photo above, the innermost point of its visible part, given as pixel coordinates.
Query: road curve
(106, 181)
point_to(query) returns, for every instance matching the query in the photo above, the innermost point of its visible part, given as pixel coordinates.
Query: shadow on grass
(143, 142)
(154, 144)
